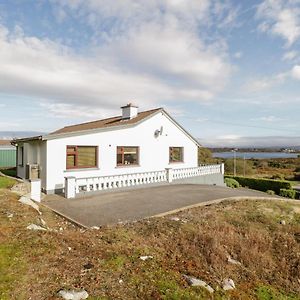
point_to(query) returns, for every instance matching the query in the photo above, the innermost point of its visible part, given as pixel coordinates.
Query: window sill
(127, 166)
(81, 169)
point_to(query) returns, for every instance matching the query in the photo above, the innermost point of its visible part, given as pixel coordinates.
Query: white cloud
(280, 18)
(268, 119)
(290, 55)
(265, 83)
(156, 58)
(296, 72)
(238, 54)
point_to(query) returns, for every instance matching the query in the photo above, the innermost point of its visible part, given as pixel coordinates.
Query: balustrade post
(70, 187)
(222, 169)
(169, 174)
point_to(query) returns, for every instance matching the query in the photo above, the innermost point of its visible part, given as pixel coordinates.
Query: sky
(225, 70)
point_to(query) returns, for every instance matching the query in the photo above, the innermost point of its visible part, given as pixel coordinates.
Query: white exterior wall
(153, 152)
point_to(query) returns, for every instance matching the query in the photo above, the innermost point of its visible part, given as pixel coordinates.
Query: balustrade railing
(75, 186)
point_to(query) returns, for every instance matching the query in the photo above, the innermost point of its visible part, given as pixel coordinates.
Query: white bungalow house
(131, 149)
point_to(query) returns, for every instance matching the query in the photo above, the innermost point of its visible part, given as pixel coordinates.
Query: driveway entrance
(123, 206)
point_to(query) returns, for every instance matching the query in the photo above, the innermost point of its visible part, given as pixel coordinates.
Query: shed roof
(5, 143)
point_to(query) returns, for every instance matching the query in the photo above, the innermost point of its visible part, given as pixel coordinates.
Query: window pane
(127, 155)
(176, 154)
(70, 161)
(119, 159)
(130, 155)
(71, 149)
(86, 156)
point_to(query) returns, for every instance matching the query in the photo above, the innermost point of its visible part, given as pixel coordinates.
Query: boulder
(228, 284)
(73, 295)
(35, 227)
(233, 261)
(145, 257)
(192, 281)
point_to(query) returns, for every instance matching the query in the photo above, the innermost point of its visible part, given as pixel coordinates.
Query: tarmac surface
(107, 208)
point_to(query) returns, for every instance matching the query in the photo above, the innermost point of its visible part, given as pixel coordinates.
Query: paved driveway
(121, 206)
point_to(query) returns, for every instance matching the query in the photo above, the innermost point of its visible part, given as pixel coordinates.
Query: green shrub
(297, 195)
(232, 183)
(278, 177)
(270, 192)
(262, 184)
(297, 176)
(288, 193)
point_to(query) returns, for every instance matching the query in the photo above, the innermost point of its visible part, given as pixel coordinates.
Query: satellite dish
(156, 133)
(161, 130)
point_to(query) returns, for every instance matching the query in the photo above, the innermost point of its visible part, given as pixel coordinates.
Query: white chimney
(129, 111)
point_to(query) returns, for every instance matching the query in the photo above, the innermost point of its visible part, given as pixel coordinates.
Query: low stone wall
(216, 179)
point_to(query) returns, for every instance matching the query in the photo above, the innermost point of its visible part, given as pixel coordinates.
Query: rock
(36, 227)
(121, 281)
(88, 266)
(69, 248)
(10, 215)
(26, 200)
(73, 295)
(21, 188)
(228, 284)
(192, 281)
(95, 227)
(282, 222)
(233, 261)
(43, 222)
(145, 257)
(175, 219)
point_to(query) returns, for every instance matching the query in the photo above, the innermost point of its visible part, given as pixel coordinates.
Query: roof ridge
(89, 122)
(115, 118)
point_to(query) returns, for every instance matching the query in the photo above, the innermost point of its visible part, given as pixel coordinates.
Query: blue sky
(223, 69)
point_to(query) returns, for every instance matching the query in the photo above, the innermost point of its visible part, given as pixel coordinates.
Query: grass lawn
(105, 262)
(6, 182)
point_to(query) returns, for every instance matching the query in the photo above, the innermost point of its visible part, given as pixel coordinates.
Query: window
(175, 154)
(127, 156)
(81, 157)
(21, 156)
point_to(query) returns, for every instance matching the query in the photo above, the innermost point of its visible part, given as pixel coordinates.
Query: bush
(288, 193)
(278, 177)
(297, 176)
(297, 195)
(262, 184)
(270, 192)
(232, 183)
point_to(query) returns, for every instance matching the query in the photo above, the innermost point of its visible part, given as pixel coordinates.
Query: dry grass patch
(106, 262)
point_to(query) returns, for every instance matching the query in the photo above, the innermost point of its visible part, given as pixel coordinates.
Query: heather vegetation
(261, 238)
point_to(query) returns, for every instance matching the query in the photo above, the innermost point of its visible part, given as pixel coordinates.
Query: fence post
(169, 174)
(70, 185)
(222, 169)
(35, 189)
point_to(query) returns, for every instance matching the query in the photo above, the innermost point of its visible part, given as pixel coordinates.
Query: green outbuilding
(7, 154)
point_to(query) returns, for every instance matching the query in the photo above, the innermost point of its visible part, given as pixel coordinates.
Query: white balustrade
(128, 180)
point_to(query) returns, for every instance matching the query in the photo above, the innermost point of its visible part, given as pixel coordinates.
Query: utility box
(32, 171)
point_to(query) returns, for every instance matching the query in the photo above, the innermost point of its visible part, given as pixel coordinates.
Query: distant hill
(9, 135)
(252, 142)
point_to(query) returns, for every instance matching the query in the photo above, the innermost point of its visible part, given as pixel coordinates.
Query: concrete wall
(153, 156)
(215, 179)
